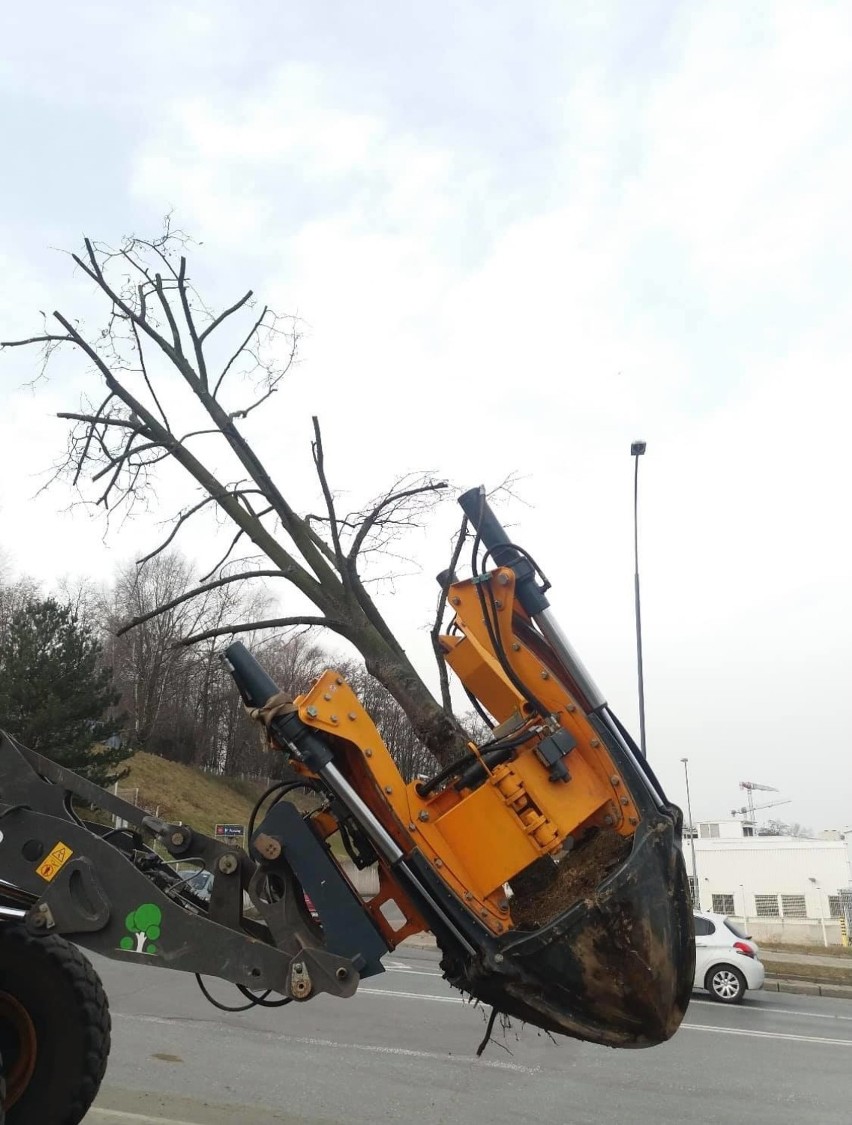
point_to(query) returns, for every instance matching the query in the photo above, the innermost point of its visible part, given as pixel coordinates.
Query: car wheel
(725, 984)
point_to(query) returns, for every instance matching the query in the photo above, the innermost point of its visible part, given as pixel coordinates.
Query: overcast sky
(520, 236)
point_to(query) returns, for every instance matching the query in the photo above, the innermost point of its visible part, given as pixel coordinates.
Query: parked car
(727, 961)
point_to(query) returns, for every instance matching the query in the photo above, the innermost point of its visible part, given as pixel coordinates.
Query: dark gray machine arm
(111, 893)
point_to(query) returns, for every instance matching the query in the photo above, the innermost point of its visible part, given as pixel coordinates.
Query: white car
(727, 961)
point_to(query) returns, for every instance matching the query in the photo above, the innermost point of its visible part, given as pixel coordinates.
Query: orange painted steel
(478, 839)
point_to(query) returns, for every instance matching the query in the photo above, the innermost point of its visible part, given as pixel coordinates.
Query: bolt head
(608, 820)
(351, 716)
(312, 711)
(423, 815)
(388, 789)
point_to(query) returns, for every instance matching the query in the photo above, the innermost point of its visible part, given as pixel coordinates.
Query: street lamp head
(637, 448)
(684, 759)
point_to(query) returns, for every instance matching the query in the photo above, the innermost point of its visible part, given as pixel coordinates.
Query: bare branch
(46, 339)
(194, 593)
(181, 520)
(391, 499)
(236, 355)
(274, 623)
(319, 462)
(224, 316)
(448, 578)
(190, 323)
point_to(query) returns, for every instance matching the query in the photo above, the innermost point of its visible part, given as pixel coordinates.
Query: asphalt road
(403, 1049)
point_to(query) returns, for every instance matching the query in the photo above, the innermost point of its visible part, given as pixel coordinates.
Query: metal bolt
(388, 789)
(504, 908)
(516, 647)
(422, 815)
(339, 681)
(227, 864)
(498, 603)
(351, 716)
(412, 827)
(625, 800)
(39, 922)
(177, 839)
(595, 742)
(608, 820)
(468, 896)
(342, 973)
(43, 908)
(503, 579)
(615, 779)
(545, 675)
(634, 821)
(439, 863)
(326, 696)
(455, 601)
(333, 718)
(312, 711)
(499, 927)
(498, 957)
(483, 914)
(571, 707)
(368, 753)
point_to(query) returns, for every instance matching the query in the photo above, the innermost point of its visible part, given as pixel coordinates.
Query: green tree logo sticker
(144, 924)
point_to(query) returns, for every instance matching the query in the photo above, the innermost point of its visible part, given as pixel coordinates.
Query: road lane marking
(310, 1041)
(118, 1117)
(767, 1034)
(411, 972)
(770, 1010)
(412, 995)
(685, 1026)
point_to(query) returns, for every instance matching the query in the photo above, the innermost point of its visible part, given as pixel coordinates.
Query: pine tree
(55, 695)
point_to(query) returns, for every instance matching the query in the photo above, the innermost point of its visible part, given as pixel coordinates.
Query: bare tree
(162, 355)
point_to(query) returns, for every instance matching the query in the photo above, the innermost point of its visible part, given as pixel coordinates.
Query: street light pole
(637, 448)
(691, 827)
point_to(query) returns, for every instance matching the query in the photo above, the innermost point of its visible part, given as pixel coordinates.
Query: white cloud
(667, 257)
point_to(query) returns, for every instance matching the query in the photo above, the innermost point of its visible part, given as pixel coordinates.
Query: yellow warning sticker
(53, 863)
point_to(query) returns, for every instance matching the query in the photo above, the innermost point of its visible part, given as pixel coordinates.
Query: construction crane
(750, 787)
(752, 809)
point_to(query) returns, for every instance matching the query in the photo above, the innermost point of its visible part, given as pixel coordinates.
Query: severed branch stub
(164, 358)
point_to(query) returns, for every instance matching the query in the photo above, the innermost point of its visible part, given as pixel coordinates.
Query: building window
(766, 906)
(793, 906)
(693, 892)
(708, 831)
(834, 909)
(723, 904)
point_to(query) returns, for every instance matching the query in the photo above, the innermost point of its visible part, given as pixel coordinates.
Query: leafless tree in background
(162, 355)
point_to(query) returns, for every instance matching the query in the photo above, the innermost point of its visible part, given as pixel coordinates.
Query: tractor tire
(54, 1029)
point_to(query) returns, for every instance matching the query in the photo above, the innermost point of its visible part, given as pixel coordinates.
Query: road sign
(230, 830)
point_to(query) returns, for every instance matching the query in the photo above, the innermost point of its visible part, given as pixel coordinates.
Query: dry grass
(182, 793)
(819, 974)
(821, 950)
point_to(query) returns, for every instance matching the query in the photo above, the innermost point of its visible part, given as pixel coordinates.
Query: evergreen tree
(55, 695)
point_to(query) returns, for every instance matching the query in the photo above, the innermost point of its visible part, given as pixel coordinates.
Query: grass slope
(184, 793)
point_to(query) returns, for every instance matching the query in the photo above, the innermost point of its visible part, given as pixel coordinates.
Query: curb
(808, 988)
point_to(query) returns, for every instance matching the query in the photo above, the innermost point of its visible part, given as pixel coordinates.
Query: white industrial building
(782, 888)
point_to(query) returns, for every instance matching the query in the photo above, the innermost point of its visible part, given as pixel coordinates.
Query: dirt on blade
(577, 877)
